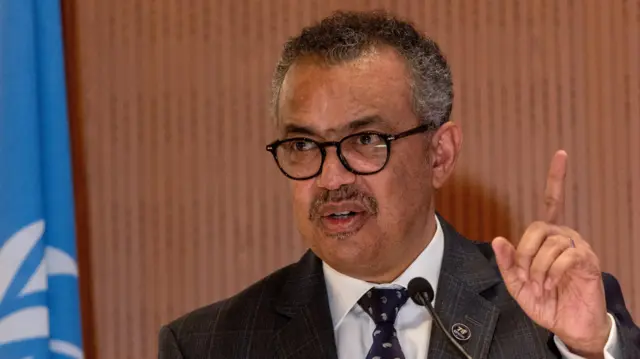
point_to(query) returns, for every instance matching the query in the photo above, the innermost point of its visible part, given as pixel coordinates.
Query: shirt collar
(344, 291)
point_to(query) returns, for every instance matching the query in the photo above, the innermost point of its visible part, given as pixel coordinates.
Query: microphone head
(418, 289)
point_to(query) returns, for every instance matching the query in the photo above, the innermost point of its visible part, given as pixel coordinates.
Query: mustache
(344, 193)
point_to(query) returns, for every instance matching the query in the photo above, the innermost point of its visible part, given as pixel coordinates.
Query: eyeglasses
(362, 153)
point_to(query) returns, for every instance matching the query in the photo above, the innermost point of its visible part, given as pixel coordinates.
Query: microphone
(421, 293)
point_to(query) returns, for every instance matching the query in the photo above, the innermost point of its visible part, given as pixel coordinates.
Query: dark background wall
(180, 205)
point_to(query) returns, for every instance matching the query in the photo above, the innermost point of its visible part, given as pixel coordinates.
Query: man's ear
(445, 144)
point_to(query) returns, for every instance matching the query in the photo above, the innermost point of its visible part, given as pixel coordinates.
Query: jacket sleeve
(628, 331)
(167, 345)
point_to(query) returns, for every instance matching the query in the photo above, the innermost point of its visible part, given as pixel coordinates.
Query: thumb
(506, 259)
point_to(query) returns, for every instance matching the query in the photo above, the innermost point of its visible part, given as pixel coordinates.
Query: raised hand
(555, 276)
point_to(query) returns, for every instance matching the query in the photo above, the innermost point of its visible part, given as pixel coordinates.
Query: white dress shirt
(353, 327)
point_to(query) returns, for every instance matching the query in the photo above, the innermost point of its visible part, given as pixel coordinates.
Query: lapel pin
(461, 332)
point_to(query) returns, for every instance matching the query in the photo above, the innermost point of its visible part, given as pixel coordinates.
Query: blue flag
(39, 298)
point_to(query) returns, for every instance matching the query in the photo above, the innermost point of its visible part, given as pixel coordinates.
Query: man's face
(388, 211)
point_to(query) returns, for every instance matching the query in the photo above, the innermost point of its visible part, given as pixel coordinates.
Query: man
(362, 104)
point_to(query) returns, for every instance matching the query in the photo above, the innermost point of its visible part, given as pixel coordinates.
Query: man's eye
(368, 139)
(364, 139)
(303, 145)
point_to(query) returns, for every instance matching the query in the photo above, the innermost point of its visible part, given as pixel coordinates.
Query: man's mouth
(342, 215)
(337, 221)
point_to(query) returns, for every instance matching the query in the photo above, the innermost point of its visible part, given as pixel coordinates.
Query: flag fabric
(39, 297)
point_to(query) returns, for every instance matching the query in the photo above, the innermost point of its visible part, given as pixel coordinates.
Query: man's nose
(334, 174)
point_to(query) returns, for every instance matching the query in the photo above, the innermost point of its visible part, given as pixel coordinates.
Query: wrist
(593, 347)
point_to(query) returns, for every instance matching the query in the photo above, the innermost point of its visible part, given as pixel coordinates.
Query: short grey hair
(347, 35)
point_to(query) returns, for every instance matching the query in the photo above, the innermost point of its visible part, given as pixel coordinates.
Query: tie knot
(383, 304)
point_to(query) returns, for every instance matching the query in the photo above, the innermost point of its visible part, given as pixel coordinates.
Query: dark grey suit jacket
(287, 315)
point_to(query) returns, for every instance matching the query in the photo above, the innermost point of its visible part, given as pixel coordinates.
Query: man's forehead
(342, 97)
(331, 129)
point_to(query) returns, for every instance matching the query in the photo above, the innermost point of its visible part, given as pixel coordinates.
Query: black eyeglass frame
(273, 148)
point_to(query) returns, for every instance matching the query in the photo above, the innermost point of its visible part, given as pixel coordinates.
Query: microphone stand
(455, 343)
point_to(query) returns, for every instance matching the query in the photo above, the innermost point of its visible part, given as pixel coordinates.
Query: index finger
(554, 190)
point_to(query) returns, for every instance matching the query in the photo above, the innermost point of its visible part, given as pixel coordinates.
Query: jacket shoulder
(232, 313)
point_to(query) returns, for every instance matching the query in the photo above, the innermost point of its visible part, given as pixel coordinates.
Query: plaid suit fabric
(286, 315)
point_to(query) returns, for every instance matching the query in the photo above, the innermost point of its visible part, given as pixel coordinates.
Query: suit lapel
(307, 329)
(465, 274)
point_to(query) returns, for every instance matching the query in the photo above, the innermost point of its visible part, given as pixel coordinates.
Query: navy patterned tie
(383, 305)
